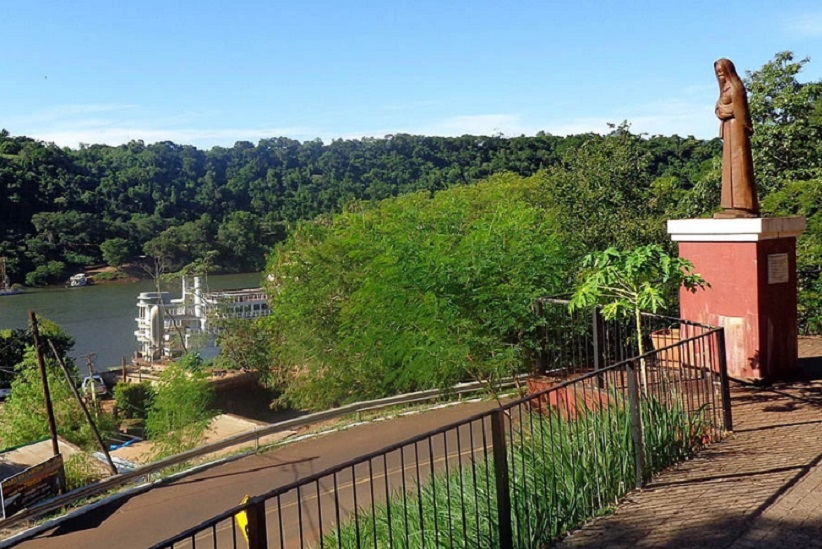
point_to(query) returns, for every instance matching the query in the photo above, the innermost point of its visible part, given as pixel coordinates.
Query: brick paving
(761, 487)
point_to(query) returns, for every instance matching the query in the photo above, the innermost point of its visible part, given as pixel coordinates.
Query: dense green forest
(63, 209)
(426, 289)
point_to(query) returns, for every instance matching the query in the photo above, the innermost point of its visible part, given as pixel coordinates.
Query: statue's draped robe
(738, 187)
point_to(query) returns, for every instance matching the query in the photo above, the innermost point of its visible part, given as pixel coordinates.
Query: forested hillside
(63, 208)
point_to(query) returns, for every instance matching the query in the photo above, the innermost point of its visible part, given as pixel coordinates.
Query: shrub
(23, 417)
(43, 274)
(415, 292)
(180, 410)
(82, 469)
(562, 473)
(134, 399)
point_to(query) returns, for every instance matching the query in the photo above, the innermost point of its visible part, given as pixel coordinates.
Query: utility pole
(41, 364)
(84, 408)
(91, 383)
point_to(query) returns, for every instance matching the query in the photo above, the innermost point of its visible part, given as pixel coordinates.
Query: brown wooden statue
(738, 184)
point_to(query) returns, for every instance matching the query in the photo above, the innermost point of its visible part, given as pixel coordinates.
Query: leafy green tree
(245, 345)
(52, 271)
(629, 283)
(804, 198)
(413, 292)
(62, 204)
(116, 251)
(180, 410)
(602, 193)
(787, 117)
(15, 342)
(23, 417)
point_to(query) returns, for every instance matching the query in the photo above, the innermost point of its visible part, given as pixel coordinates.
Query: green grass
(562, 473)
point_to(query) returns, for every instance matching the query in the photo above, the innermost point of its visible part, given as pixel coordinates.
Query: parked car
(96, 383)
(5, 392)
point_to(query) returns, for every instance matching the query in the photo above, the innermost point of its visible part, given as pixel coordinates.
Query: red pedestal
(751, 266)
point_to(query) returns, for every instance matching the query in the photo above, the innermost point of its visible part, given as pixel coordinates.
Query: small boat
(77, 281)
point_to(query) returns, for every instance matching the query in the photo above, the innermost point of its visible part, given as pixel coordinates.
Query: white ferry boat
(166, 327)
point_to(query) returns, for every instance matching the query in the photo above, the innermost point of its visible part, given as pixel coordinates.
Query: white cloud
(681, 116)
(478, 124)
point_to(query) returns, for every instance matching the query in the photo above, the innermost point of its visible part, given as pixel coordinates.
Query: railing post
(636, 424)
(256, 529)
(500, 453)
(596, 322)
(727, 416)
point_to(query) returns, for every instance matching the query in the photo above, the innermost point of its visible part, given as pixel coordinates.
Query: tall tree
(415, 292)
(787, 117)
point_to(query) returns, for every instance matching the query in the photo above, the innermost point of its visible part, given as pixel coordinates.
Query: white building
(166, 327)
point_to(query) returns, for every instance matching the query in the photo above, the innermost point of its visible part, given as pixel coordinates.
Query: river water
(99, 317)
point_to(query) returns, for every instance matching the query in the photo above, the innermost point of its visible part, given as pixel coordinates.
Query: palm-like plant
(628, 283)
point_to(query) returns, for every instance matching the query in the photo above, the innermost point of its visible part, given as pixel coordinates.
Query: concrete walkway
(761, 487)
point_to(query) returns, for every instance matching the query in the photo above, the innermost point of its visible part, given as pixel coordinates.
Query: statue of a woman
(738, 186)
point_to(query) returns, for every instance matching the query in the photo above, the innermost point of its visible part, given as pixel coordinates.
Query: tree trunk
(642, 371)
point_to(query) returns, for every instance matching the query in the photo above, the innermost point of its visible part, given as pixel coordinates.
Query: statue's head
(724, 69)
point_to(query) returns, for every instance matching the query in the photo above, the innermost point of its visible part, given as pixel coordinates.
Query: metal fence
(581, 341)
(518, 476)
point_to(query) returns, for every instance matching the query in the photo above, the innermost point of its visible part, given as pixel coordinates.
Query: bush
(23, 417)
(415, 292)
(134, 399)
(116, 251)
(43, 274)
(562, 473)
(180, 410)
(82, 469)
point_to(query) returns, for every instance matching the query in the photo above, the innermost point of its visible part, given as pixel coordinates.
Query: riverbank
(130, 273)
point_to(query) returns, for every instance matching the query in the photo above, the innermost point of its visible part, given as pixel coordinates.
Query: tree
(787, 139)
(180, 409)
(628, 283)
(419, 291)
(116, 251)
(602, 193)
(15, 342)
(50, 272)
(245, 345)
(804, 198)
(133, 400)
(23, 418)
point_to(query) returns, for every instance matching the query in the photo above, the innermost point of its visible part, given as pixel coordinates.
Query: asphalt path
(294, 519)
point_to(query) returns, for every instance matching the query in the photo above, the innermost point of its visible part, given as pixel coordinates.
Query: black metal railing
(520, 475)
(581, 341)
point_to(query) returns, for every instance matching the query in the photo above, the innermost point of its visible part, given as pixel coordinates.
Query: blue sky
(211, 73)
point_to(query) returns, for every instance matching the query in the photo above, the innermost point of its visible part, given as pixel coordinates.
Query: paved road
(145, 519)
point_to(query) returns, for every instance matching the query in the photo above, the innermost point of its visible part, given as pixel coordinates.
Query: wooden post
(90, 364)
(84, 408)
(41, 364)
